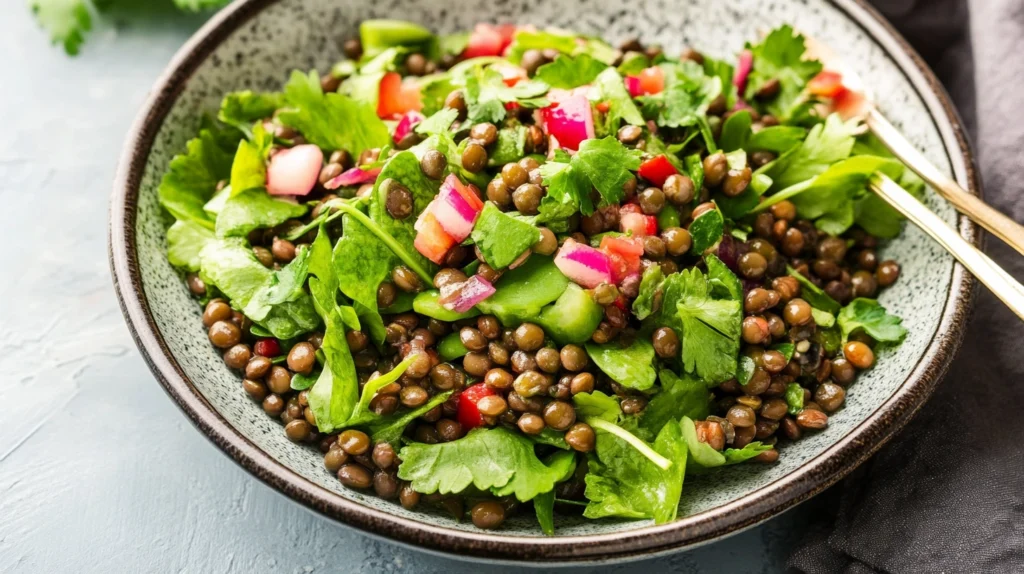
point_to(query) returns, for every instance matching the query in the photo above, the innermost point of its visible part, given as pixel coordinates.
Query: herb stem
(787, 193)
(645, 449)
(395, 247)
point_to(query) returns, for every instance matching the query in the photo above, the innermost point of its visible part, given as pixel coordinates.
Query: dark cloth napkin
(947, 494)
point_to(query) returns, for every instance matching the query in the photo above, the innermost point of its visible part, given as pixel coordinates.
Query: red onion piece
(354, 176)
(461, 297)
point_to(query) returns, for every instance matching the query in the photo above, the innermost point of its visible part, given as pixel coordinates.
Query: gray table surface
(99, 471)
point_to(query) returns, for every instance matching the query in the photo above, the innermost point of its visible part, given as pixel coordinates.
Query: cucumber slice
(573, 318)
(427, 303)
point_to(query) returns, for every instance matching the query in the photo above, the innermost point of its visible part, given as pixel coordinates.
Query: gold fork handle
(1005, 287)
(1002, 226)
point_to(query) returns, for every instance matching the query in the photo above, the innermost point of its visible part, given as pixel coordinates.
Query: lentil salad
(520, 267)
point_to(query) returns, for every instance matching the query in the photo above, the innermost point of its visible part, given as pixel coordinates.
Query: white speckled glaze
(308, 33)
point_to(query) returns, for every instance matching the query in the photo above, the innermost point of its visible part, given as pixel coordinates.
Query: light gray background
(99, 471)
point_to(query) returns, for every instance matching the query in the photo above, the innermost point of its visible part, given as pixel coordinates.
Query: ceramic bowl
(253, 44)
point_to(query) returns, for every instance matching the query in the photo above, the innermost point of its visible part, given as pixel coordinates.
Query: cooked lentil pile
(518, 266)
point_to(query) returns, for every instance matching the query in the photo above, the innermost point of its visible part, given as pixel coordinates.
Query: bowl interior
(307, 33)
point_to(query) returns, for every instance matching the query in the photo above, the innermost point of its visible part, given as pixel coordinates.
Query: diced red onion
(407, 123)
(570, 120)
(583, 264)
(294, 171)
(463, 296)
(743, 67)
(354, 176)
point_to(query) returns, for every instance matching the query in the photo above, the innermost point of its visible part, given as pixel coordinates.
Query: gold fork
(1005, 287)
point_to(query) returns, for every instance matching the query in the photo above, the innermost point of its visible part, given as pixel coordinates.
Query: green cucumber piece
(573, 318)
(451, 347)
(427, 303)
(523, 292)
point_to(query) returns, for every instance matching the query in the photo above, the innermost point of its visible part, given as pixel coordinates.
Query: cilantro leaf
(241, 109)
(334, 395)
(826, 144)
(621, 107)
(254, 209)
(632, 366)
(282, 286)
(709, 328)
(502, 238)
(185, 240)
(231, 266)
(331, 121)
(780, 57)
(568, 192)
(619, 483)
(680, 396)
(510, 147)
(868, 315)
(567, 72)
(192, 177)
(439, 122)
(67, 21)
(249, 168)
(650, 285)
(607, 164)
(706, 230)
(813, 294)
(684, 101)
(493, 459)
(486, 95)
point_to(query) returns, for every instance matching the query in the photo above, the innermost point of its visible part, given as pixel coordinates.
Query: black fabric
(947, 494)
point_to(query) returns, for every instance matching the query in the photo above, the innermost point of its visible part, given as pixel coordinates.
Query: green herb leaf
(282, 286)
(684, 101)
(794, 398)
(685, 396)
(611, 89)
(242, 109)
(255, 209)
(596, 405)
(389, 429)
(67, 21)
(230, 265)
(335, 394)
(486, 95)
(567, 72)
(826, 144)
(631, 367)
(813, 294)
(510, 147)
(544, 506)
(745, 370)
(607, 164)
(323, 280)
(650, 284)
(706, 230)
(192, 177)
(440, 122)
(185, 240)
(868, 315)
(361, 413)
(780, 56)
(621, 484)
(502, 238)
(786, 349)
(494, 459)
(331, 121)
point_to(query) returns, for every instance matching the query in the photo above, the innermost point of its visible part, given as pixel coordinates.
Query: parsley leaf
(333, 396)
(567, 72)
(650, 286)
(607, 164)
(281, 287)
(684, 101)
(826, 144)
(813, 294)
(331, 121)
(632, 366)
(598, 405)
(494, 459)
(486, 95)
(868, 315)
(241, 109)
(510, 147)
(502, 238)
(67, 21)
(439, 122)
(780, 57)
(706, 230)
(685, 396)
(192, 177)
(254, 209)
(249, 168)
(185, 240)
(703, 456)
(619, 483)
(794, 398)
(568, 192)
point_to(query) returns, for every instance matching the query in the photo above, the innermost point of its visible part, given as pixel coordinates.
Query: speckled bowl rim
(803, 483)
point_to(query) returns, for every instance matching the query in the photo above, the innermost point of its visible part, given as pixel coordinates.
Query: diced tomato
(657, 169)
(630, 208)
(652, 225)
(826, 84)
(623, 254)
(267, 348)
(509, 73)
(638, 224)
(467, 412)
(512, 106)
(603, 107)
(622, 303)
(431, 239)
(629, 247)
(648, 81)
(395, 98)
(849, 103)
(488, 40)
